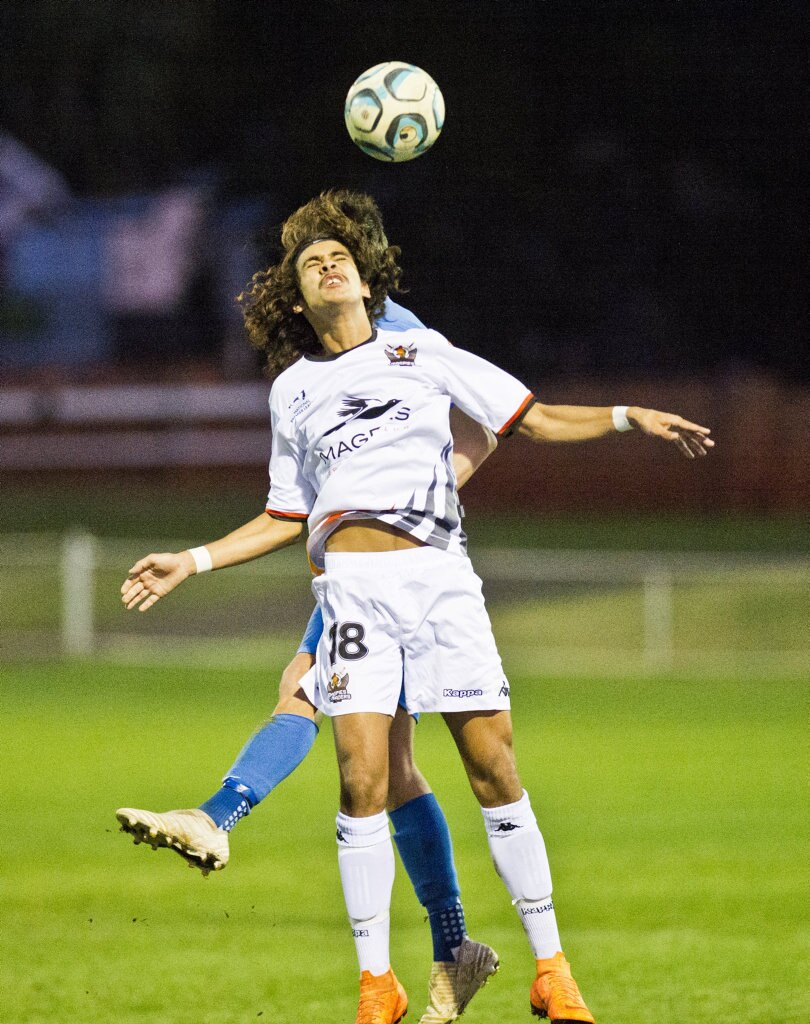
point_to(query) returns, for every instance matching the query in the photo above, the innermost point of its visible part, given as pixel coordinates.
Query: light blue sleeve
(312, 634)
(397, 318)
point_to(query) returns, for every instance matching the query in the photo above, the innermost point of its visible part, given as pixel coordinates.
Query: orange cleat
(382, 999)
(555, 994)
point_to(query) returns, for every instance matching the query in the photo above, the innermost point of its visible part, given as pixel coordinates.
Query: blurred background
(615, 212)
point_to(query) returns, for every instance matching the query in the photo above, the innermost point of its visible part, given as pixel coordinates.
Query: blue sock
(226, 807)
(423, 840)
(267, 758)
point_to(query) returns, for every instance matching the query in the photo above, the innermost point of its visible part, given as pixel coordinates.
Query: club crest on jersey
(337, 687)
(401, 355)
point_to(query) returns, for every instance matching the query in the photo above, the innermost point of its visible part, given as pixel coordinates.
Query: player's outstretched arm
(157, 575)
(586, 423)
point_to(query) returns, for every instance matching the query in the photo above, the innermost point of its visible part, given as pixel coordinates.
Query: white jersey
(365, 434)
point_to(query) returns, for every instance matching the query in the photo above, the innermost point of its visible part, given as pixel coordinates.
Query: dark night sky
(618, 186)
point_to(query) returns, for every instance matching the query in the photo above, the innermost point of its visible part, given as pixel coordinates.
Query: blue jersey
(397, 318)
(312, 634)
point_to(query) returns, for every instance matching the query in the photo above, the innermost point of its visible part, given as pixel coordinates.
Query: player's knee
(292, 675)
(360, 798)
(363, 788)
(297, 704)
(495, 780)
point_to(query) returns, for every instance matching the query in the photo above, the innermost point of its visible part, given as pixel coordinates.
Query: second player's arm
(158, 574)
(586, 423)
(472, 444)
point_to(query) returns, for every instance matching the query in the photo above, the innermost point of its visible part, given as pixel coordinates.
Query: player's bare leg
(484, 740)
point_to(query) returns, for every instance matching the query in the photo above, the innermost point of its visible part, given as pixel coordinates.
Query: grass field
(674, 812)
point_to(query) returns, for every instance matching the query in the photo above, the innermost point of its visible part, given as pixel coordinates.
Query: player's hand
(691, 439)
(153, 577)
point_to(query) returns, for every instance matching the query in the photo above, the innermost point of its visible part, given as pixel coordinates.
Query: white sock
(366, 863)
(519, 854)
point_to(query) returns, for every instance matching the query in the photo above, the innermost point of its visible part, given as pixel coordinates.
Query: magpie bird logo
(401, 355)
(362, 409)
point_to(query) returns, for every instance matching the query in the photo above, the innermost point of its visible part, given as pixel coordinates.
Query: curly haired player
(461, 966)
(362, 451)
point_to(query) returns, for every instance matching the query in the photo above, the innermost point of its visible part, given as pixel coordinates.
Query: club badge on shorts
(337, 687)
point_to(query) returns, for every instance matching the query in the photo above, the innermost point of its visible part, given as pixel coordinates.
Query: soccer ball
(394, 111)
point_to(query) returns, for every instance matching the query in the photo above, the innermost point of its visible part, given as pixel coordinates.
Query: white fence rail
(60, 595)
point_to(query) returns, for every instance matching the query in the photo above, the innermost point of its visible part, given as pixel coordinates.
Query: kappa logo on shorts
(462, 693)
(336, 688)
(401, 355)
(504, 690)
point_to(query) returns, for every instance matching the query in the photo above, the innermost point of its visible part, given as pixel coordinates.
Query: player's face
(328, 276)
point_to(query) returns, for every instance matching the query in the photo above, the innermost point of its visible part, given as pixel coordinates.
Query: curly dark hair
(354, 220)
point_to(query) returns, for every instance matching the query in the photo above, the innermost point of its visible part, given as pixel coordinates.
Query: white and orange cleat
(191, 833)
(382, 999)
(555, 994)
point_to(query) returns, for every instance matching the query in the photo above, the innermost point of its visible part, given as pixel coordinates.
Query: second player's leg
(200, 835)
(405, 780)
(292, 700)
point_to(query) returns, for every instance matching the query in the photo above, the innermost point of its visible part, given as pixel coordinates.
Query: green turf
(673, 811)
(145, 509)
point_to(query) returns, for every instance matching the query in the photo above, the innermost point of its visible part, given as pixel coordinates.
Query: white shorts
(414, 618)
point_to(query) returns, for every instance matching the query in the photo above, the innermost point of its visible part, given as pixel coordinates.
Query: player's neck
(343, 328)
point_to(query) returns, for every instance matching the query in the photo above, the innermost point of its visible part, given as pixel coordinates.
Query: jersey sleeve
(482, 390)
(291, 496)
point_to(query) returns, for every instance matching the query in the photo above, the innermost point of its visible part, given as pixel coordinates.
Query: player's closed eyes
(316, 260)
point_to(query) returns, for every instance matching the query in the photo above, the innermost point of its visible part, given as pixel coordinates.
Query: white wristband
(202, 559)
(620, 420)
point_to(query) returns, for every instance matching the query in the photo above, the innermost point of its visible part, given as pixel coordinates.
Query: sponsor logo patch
(462, 693)
(507, 826)
(504, 690)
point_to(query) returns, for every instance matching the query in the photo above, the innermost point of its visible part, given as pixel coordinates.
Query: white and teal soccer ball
(394, 111)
